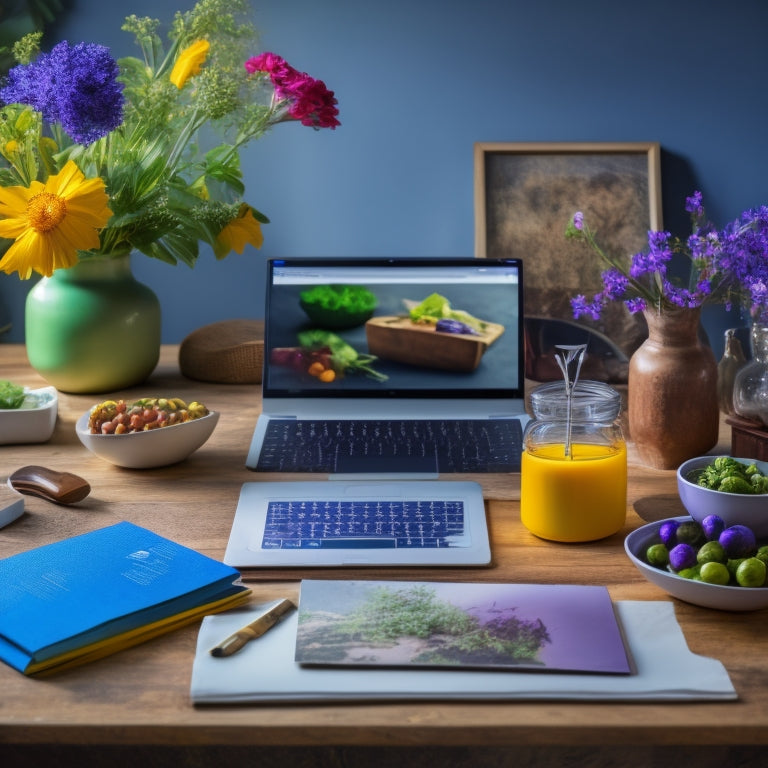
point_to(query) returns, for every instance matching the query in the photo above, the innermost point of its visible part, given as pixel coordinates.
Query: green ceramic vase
(93, 327)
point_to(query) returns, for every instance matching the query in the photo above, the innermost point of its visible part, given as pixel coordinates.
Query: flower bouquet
(728, 266)
(673, 409)
(104, 157)
(101, 158)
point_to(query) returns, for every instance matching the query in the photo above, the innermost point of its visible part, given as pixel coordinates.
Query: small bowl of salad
(338, 307)
(27, 415)
(734, 489)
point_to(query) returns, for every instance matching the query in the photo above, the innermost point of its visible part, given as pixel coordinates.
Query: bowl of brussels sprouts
(734, 489)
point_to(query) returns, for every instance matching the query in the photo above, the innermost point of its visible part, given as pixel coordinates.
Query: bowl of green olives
(712, 565)
(735, 489)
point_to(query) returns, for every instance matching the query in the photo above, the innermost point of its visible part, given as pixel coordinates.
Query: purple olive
(682, 556)
(668, 533)
(738, 541)
(713, 526)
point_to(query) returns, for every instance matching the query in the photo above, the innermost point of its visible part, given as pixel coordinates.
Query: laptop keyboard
(408, 446)
(362, 524)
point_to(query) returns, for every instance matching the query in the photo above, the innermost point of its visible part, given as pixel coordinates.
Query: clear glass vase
(750, 388)
(732, 361)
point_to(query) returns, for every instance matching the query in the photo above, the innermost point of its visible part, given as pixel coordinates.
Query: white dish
(34, 421)
(153, 448)
(696, 592)
(734, 508)
(11, 505)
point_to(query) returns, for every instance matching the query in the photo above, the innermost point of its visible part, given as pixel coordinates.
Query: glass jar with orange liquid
(573, 482)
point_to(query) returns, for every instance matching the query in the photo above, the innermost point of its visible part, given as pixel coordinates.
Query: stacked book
(88, 596)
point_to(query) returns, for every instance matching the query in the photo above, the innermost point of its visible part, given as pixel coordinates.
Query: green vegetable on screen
(11, 396)
(344, 357)
(352, 298)
(730, 476)
(338, 307)
(435, 307)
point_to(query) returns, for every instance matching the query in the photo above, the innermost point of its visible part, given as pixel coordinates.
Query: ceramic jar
(673, 412)
(93, 327)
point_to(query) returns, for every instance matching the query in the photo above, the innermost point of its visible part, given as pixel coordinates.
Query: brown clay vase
(673, 412)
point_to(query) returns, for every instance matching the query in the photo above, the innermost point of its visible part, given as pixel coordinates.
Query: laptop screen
(429, 328)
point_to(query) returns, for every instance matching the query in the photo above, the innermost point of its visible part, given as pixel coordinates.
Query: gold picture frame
(525, 195)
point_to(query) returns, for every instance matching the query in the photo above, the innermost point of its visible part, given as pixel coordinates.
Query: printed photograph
(508, 626)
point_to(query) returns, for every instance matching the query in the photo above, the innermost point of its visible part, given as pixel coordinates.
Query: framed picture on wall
(525, 195)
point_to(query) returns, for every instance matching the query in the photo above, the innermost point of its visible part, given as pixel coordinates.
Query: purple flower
(744, 258)
(693, 204)
(615, 284)
(75, 86)
(656, 259)
(636, 305)
(728, 265)
(581, 306)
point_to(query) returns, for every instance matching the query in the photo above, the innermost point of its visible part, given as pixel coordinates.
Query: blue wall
(420, 81)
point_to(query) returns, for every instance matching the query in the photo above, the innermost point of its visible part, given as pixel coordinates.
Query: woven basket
(227, 352)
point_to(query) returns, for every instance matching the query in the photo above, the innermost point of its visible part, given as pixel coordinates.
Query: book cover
(89, 589)
(563, 628)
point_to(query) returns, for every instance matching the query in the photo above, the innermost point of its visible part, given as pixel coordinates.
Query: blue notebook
(103, 590)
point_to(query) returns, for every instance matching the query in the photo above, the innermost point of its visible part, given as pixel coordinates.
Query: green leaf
(11, 395)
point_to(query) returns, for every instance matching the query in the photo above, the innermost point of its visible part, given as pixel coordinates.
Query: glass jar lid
(592, 401)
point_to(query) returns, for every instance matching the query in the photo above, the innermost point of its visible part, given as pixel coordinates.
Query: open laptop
(462, 390)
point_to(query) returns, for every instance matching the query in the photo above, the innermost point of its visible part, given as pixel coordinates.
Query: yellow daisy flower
(189, 62)
(50, 222)
(241, 230)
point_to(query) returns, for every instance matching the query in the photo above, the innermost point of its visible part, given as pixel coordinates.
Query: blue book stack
(88, 596)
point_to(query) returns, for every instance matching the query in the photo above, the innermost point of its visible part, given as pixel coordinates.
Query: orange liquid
(578, 498)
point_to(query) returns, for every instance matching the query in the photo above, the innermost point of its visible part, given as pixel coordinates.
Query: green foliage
(167, 190)
(416, 612)
(19, 18)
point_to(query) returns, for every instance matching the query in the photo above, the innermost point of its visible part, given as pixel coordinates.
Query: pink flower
(311, 101)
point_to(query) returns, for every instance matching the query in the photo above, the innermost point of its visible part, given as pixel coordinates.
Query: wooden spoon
(59, 487)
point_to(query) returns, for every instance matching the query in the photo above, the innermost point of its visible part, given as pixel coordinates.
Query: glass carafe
(750, 388)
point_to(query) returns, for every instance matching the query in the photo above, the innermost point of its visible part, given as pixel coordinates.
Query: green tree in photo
(454, 636)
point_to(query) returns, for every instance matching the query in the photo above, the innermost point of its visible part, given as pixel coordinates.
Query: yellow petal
(13, 201)
(189, 62)
(241, 230)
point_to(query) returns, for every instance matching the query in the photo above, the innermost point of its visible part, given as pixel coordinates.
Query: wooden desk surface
(141, 696)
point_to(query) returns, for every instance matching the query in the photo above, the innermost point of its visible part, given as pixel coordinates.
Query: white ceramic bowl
(34, 421)
(153, 448)
(696, 592)
(735, 508)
